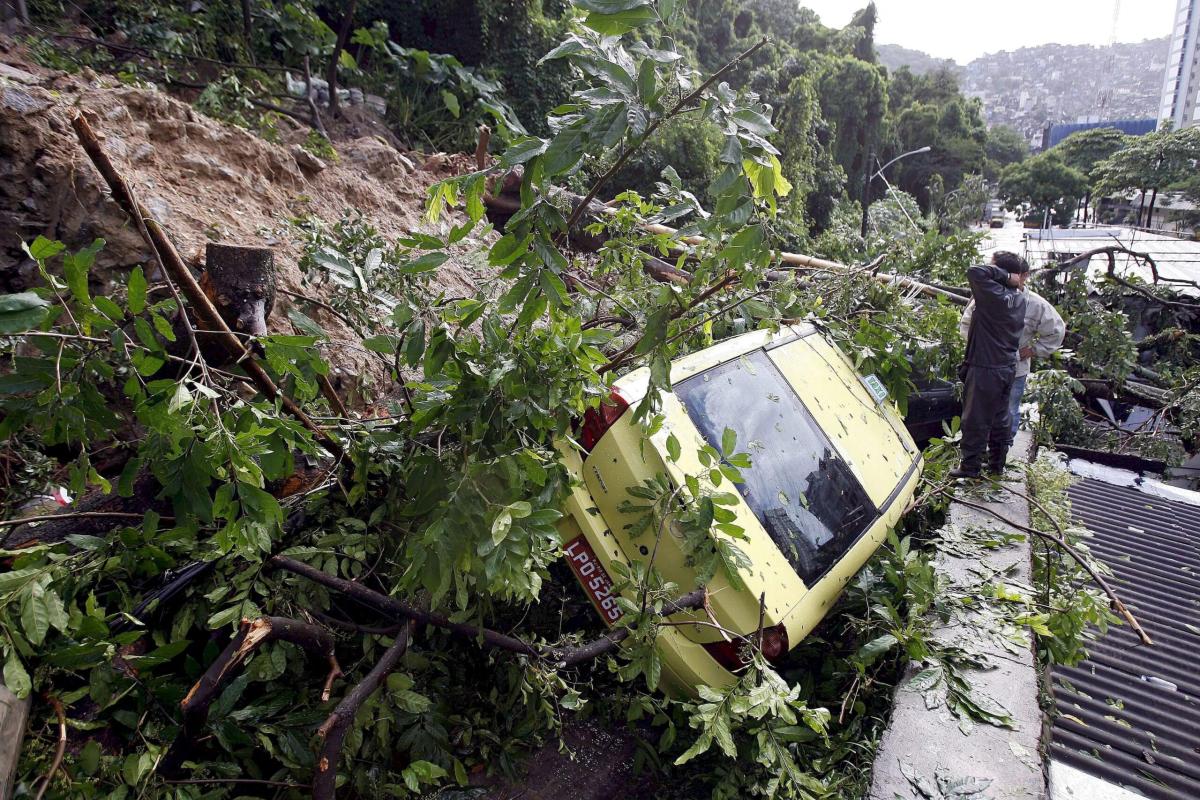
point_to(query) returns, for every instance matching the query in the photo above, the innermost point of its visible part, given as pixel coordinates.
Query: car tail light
(729, 654)
(597, 421)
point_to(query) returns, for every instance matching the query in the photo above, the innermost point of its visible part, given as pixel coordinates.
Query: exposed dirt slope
(202, 179)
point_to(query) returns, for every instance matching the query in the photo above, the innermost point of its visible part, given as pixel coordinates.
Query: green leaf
(21, 312)
(501, 525)
(564, 152)
(137, 291)
(34, 619)
(109, 309)
(508, 249)
(451, 101)
(522, 151)
(728, 441)
(875, 648)
(673, 448)
(43, 248)
(753, 122)
(75, 268)
(554, 288)
(620, 23)
(15, 676)
(426, 263)
(89, 757)
(610, 6)
(14, 579)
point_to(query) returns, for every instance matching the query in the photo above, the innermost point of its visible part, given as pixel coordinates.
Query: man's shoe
(964, 474)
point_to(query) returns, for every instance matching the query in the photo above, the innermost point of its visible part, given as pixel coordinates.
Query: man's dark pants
(986, 418)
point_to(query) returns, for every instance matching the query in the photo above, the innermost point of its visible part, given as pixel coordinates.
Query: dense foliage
(447, 499)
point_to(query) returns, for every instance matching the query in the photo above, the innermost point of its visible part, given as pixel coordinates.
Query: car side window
(799, 488)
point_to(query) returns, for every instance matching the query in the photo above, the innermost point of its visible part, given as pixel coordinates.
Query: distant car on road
(833, 468)
(997, 222)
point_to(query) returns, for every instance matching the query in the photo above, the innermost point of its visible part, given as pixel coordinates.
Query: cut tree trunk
(331, 74)
(241, 284)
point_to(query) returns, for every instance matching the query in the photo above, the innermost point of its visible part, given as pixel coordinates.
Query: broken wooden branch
(331, 74)
(506, 202)
(334, 729)
(1060, 541)
(59, 750)
(310, 97)
(391, 608)
(1111, 252)
(251, 635)
(179, 272)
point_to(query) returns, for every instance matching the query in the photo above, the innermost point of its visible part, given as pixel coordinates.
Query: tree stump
(241, 283)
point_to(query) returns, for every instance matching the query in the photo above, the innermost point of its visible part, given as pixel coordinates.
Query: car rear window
(802, 492)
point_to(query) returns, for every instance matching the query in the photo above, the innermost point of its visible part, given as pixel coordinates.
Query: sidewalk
(927, 748)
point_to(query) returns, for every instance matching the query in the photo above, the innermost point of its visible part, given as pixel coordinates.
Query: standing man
(1043, 334)
(991, 363)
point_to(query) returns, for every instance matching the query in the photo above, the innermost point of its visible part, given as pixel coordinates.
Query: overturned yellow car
(832, 469)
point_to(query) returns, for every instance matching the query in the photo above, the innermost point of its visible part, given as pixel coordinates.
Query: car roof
(633, 386)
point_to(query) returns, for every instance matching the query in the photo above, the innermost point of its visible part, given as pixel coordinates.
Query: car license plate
(595, 580)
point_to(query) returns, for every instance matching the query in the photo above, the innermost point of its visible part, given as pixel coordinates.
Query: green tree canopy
(1085, 149)
(1043, 183)
(1005, 145)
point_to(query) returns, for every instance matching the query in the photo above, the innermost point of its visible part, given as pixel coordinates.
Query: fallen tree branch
(251, 635)
(574, 656)
(1060, 541)
(78, 514)
(504, 205)
(1111, 252)
(623, 356)
(390, 607)
(59, 751)
(310, 98)
(175, 267)
(683, 103)
(334, 729)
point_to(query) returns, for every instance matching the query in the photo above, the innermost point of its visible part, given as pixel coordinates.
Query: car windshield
(800, 489)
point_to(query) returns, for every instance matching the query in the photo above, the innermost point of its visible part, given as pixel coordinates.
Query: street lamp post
(866, 194)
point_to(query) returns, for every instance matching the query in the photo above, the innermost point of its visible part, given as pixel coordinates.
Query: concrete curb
(924, 744)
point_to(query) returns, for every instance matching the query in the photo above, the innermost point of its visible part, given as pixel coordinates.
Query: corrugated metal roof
(1130, 714)
(1176, 259)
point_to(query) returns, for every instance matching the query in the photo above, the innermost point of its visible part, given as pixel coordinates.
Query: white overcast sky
(966, 29)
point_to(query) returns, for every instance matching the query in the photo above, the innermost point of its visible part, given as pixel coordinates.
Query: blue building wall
(1133, 127)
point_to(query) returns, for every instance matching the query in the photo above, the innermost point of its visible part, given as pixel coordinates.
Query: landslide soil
(203, 180)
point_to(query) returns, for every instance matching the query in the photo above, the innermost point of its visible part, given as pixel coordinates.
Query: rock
(376, 157)
(199, 164)
(115, 145)
(18, 75)
(159, 209)
(306, 160)
(142, 152)
(168, 130)
(21, 101)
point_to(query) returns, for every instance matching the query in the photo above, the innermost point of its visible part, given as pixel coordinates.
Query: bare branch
(334, 729)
